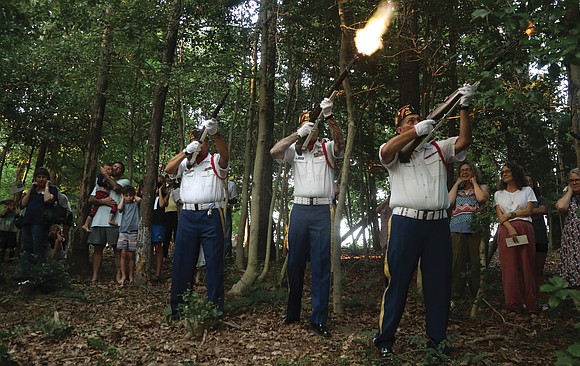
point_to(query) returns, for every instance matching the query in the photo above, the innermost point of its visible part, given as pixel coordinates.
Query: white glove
(192, 147)
(424, 127)
(210, 126)
(466, 92)
(305, 129)
(326, 106)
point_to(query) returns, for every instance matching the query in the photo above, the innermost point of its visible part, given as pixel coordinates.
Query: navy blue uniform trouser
(309, 237)
(197, 228)
(411, 240)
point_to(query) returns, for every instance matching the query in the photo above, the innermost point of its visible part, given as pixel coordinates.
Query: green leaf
(480, 13)
(500, 101)
(574, 350)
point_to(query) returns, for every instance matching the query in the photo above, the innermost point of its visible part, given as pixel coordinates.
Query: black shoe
(440, 350)
(289, 320)
(320, 329)
(386, 352)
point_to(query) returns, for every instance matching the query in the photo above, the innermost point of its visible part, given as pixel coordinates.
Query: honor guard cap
(403, 112)
(304, 117)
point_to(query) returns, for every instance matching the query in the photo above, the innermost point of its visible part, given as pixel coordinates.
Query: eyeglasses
(506, 171)
(574, 181)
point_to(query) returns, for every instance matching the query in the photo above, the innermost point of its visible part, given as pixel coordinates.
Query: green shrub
(103, 346)
(54, 327)
(43, 278)
(5, 358)
(198, 312)
(560, 290)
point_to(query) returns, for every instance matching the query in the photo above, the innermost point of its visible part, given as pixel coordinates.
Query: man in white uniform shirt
(420, 229)
(201, 218)
(310, 220)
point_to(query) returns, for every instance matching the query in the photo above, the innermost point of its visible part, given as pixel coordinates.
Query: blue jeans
(34, 241)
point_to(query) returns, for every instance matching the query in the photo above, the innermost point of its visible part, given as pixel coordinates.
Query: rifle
(303, 141)
(445, 108)
(216, 111)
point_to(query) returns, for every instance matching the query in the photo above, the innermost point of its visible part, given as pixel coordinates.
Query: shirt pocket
(434, 165)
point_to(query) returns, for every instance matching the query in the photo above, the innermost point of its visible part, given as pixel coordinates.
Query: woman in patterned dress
(569, 205)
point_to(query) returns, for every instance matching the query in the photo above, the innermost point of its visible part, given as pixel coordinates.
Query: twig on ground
(491, 337)
(503, 318)
(233, 325)
(203, 339)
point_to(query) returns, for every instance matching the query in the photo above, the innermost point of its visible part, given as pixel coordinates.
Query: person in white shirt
(420, 229)
(514, 203)
(310, 220)
(201, 217)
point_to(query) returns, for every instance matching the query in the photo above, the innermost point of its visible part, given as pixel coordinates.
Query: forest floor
(110, 325)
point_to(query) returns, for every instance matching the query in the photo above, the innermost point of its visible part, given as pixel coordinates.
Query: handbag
(54, 213)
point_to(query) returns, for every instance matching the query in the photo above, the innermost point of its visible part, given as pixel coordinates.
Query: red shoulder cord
(215, 170)
(326, 156)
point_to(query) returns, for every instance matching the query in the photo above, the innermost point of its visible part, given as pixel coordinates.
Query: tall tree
(409, 65)
(263, 162)
(79, 249)
(152, 158)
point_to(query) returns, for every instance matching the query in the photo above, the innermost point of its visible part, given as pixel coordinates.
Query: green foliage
(198, 312)
(44, 278)
(5, 358)
(103, 346)
(560, 290)
(53, 328)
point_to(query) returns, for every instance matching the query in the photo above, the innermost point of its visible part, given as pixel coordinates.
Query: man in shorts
(102, 232)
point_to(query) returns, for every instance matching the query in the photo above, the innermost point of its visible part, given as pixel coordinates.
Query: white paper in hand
(520, 240)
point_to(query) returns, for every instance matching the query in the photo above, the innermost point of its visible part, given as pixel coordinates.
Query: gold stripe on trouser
(332, 236)
(286, 243)
(223, 220)
(387, 274)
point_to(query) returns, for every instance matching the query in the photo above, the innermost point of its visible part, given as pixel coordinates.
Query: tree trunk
(79, 247)
(571, 20)
(270, 225)
(240, 263)
(409, 66)
(263, 145)
(574, 98)
(265, 128)
(346, 44)
(152, 159)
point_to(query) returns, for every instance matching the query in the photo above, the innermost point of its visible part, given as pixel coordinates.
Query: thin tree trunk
(263, 145)
(266, 127)
(152, 159)
(574, 98)
(240, 252)
(79, 247)
(346, 43)
(270, 224)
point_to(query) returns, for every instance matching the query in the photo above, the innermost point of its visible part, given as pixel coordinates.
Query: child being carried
(103, 190)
